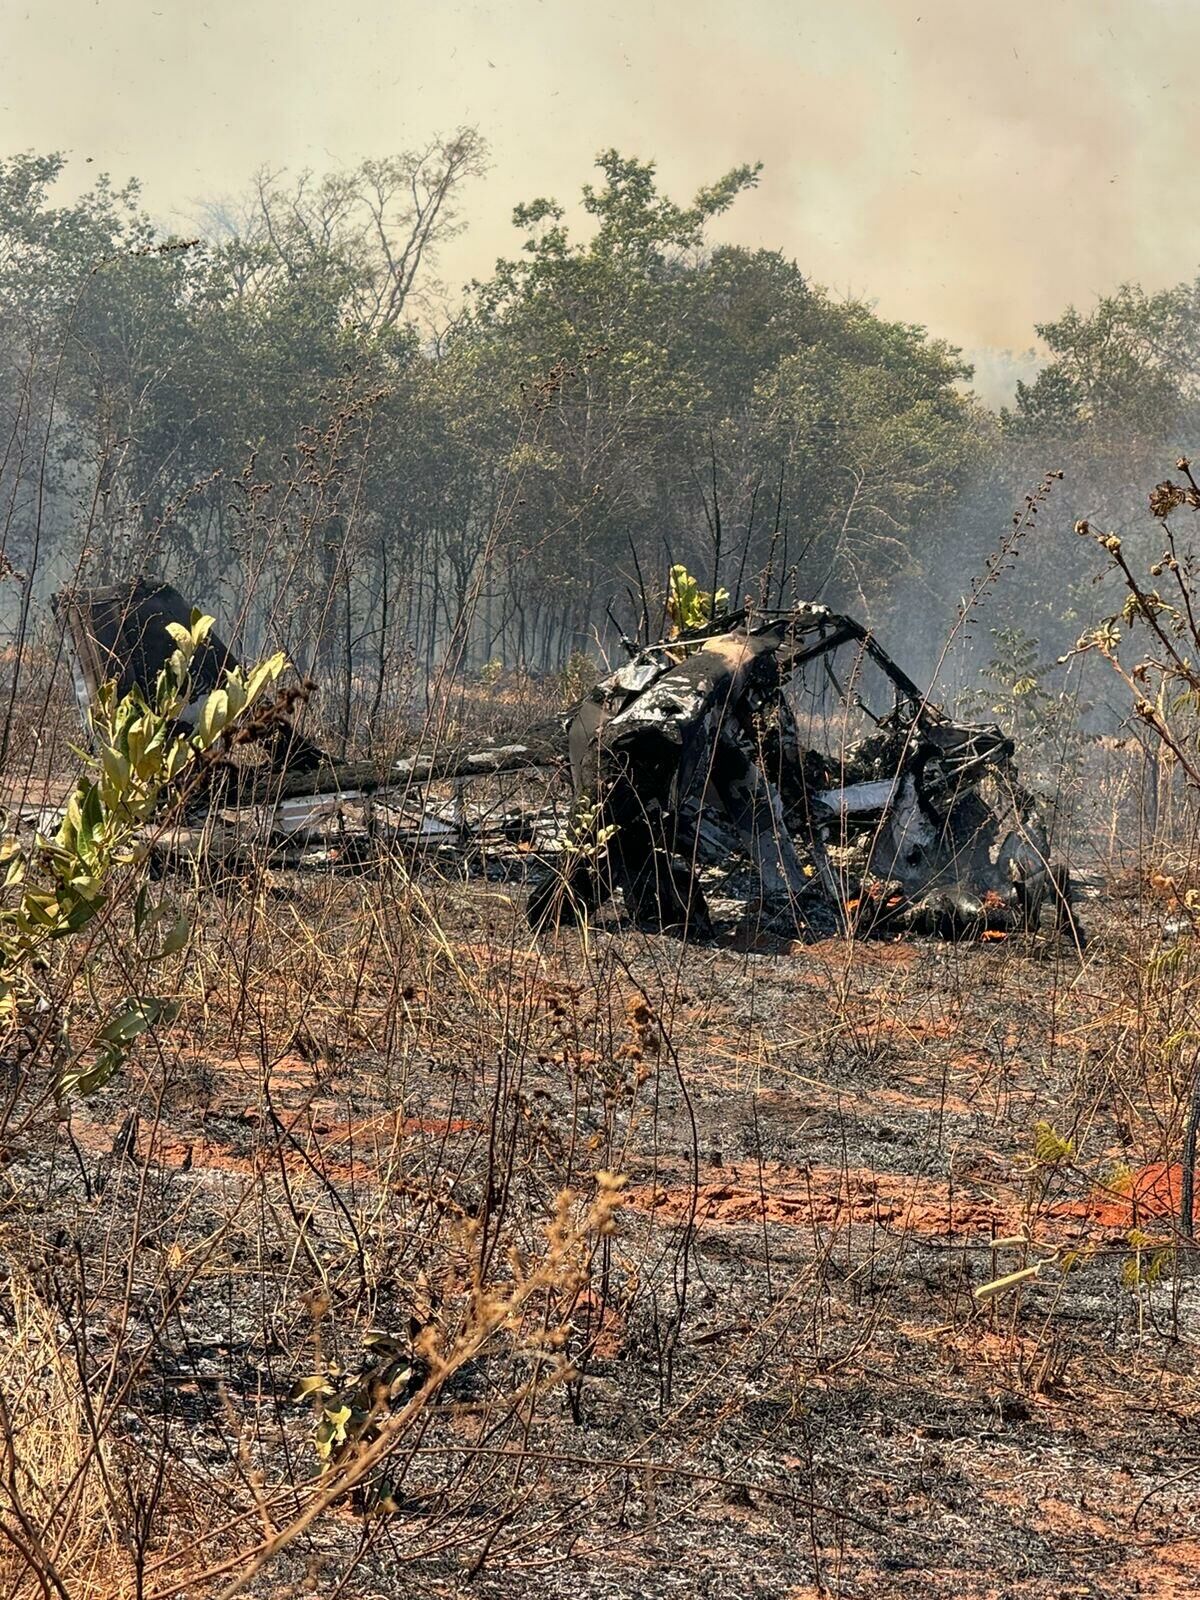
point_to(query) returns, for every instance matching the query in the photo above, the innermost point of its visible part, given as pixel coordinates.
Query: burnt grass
(781, 1382)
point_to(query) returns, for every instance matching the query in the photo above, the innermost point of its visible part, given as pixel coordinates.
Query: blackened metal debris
(785, 752)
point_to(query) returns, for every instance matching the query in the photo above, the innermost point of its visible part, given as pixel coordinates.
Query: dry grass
(375, 1146)
(369, 1113)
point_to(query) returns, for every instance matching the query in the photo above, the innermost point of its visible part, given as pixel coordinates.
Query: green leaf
(77, 915)
(39, 908)
(318, 1383)
(91, 818)
(379, 1341)
(115, 767)
(202, 626)
(86, 1080)
(267, 672)
(178, 757)
(137, 1016)
(235, 694)
(214, 714)
(177, 939)
(1049, 1148)
(338, 1417)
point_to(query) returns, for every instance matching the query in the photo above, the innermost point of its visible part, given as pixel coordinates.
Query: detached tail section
(119, 634)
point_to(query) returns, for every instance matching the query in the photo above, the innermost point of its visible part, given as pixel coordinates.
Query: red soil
(1150, 1194)
(826, 1197)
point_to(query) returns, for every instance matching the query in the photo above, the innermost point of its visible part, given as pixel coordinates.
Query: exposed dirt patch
(824, 1197)
(1166, 1572)
(1148, 1194)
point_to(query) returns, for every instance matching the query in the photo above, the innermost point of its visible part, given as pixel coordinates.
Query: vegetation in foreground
(354, 1241)
(398, 1249)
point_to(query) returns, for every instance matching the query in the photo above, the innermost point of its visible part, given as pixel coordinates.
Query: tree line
(288, 417)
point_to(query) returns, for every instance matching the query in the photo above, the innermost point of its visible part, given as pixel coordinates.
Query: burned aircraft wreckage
(781, 760)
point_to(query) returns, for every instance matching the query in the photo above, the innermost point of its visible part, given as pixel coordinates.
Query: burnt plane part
(694, 747)
(643, 757)
(301, 805)
(119, 634)
(693, 771)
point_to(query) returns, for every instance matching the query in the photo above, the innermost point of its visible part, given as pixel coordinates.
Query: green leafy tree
(1131, 365)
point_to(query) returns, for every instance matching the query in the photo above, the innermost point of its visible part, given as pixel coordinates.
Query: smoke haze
(970, 166)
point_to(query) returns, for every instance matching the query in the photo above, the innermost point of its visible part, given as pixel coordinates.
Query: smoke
(975, 168)
(970, 167)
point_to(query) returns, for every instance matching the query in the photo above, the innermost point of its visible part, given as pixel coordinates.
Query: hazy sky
(969, 164)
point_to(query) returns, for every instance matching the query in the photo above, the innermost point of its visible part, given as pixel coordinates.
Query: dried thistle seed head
(1165, 498)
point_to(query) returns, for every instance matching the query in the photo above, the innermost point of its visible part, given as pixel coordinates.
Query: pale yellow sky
(969, 164)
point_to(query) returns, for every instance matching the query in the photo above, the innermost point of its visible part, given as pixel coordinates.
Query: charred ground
(779, 1380)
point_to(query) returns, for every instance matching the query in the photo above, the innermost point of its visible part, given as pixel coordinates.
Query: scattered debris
(787, 746)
